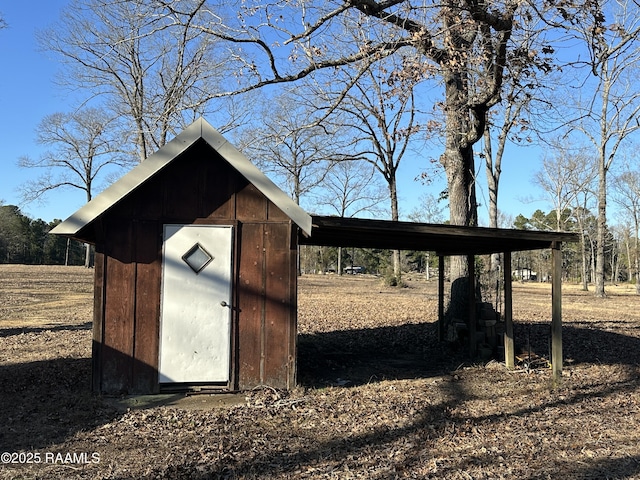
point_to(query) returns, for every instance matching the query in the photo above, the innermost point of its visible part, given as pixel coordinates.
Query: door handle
(224, 304)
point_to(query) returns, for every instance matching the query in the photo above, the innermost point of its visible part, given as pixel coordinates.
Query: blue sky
(28, 93)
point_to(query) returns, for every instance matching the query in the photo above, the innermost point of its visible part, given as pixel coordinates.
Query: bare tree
(509, 119)
(608, 114)
(379, 112)
(584, 180)
(156, 71)
(429, 210)
(291, 146)
(565, 172)
(81, 148)
(493, 158)
(566, 176)
(349, 189)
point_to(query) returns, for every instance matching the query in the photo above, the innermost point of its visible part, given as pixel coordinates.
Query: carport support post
(471, 326)
(440, 297)
(509, 349)
(556, 311)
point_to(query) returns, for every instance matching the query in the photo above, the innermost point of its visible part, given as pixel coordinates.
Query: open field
(379, 397)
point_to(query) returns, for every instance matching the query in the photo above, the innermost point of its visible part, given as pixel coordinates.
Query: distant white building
(524, 274)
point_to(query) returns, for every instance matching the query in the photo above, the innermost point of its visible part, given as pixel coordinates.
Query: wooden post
(556, 312)
(509, 348)
(441, 332)
(471, 324)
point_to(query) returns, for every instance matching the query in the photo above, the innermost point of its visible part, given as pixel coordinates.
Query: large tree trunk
(463, 210)
(463, 129)
(465, 109)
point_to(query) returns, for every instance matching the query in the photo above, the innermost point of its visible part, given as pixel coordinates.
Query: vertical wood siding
(147, 310)
(250, 288)
(98, 316)
(277, 327)
(119, 311)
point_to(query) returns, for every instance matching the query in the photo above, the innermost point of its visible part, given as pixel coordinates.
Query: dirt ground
(379, 397)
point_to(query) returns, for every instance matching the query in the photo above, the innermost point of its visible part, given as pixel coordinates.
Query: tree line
(27, 241)
(622, 255)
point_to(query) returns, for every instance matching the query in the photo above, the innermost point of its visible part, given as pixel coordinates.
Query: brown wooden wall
(197, 188)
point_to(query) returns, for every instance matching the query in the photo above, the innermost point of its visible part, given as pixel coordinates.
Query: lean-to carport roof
(443, 239)
(146, 170)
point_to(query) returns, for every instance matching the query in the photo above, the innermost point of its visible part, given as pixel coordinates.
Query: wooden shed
(195, 272)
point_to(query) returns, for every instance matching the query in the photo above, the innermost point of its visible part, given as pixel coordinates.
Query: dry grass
(379, 397)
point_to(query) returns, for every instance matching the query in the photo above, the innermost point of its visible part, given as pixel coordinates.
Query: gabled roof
(140, 174)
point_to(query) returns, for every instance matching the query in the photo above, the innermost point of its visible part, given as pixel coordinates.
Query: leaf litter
(378, 396)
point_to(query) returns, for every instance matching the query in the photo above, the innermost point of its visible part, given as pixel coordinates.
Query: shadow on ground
(9, 332)
(357, 357)
(586, 342)
(45, 402)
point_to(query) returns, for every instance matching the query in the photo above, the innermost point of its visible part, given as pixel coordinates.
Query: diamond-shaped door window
(197, 258)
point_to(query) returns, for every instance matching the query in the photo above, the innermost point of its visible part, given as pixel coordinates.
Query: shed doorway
(195, 324)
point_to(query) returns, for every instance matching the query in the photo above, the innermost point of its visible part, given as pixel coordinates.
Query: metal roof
(200, 129)
(443, 239)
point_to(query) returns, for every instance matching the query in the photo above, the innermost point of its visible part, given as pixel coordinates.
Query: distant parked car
(354, 270)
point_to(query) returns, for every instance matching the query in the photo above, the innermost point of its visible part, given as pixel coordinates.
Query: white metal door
(195, 325)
